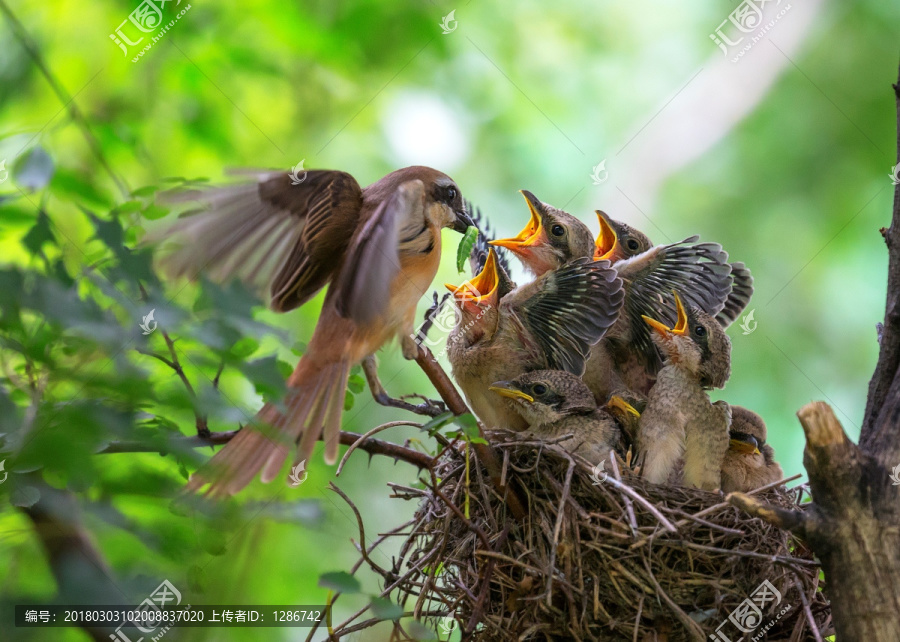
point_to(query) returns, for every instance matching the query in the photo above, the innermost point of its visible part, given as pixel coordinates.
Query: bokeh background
(782, 155)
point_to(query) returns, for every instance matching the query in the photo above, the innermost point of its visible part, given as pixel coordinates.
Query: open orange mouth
(480, 287)
(533, 233)
(681, 326)
(607, 241)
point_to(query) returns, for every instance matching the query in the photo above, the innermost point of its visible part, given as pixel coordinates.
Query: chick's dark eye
(700, 331)
(558, 230)
(632, 245)
(451, 194)
(539, 389)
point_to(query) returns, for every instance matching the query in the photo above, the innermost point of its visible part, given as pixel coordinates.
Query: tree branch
(369, 445)
(789, 520)
(485, 453)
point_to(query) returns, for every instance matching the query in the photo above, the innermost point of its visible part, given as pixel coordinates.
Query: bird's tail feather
(314, 404)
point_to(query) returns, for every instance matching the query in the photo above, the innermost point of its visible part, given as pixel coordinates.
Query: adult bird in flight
(377, 247)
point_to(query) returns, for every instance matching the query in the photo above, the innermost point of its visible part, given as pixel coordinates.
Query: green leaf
(438, 422)
(464, 249)
(349, 400)
(385, 609)
(148, 190)
(26, 496)
(340, 582)
(356, 384)
(265, 376)
(244, 348)
(469, 425)
(154, 212)
(420, 632)
(34, 169)
(39, 234)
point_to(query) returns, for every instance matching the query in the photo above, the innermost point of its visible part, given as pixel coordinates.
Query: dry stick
(374, 431)
(478, 607)
(807, 609)
(693, 628)
(561, 511)
(457, 406)
(371, 446)
(629, 507)
(643, 502)
(362, 534)
(715, 507)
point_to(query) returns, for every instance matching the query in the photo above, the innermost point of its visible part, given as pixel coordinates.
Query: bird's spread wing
(741, 291)
(568, 310)
(699, 272)
(282, 239)
(373, 259)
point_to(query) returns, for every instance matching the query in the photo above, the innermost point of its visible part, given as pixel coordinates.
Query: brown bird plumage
(549, 323)
(749, 462)
(680, 423)
(378, 248)
(555, 403)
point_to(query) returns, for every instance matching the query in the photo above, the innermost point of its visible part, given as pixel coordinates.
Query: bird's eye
(539, 388)
(451, 193)
(633, 245)
(558, 230)
(700, 331)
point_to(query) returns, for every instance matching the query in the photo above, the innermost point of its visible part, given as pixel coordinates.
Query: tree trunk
(853, 524)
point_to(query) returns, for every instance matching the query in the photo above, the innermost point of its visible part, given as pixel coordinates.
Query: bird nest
(598, 557)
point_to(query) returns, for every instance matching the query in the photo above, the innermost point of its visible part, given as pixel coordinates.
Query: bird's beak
(481, 287)
(533, 233)
(463, 222)
(622, 405)
(607, 241)
(743, 447)
(681, 326)
(508, 390)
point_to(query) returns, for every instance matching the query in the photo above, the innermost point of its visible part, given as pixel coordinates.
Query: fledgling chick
(626, 358)
(680, 423)
(552, 238)
(618, 241)
(556, 403)
(378, 248)
(549, 323)
(749, 462)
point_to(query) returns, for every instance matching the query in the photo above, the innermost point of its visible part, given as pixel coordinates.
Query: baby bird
(749, 462)
(556, 403)
(626, 358)
(550, 323)
(619, 241)
(551, 238)
(680, 424)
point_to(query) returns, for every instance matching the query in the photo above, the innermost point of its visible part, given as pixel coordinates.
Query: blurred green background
(783, 157)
